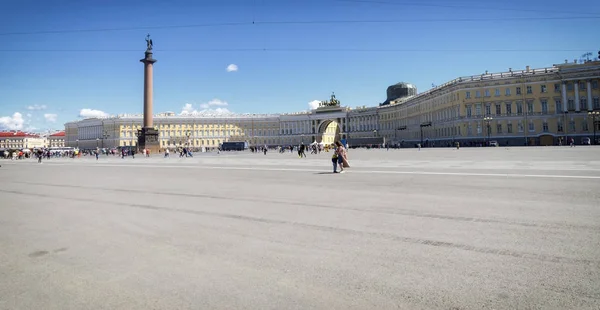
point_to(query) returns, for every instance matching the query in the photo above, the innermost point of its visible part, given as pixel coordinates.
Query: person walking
(342, 160)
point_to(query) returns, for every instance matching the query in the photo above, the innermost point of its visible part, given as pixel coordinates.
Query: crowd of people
(339, 153)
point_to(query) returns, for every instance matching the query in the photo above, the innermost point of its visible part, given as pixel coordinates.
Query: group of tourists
(339, 157)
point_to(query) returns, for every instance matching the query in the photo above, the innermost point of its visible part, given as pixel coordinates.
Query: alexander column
(148, 136)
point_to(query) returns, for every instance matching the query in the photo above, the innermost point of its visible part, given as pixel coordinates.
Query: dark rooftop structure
(399, 91)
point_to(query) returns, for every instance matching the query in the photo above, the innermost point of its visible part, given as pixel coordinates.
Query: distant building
(56, 139)
(20, 140)
(399, 91)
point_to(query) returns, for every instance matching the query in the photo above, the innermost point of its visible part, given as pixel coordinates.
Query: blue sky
(50, 71)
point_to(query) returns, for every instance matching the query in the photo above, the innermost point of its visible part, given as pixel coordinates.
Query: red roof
(12, 134)
(58, 134)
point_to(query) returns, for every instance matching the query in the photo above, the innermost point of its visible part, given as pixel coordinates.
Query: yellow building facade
(544, 106)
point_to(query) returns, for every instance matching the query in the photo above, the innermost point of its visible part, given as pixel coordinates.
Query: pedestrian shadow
(324, 173)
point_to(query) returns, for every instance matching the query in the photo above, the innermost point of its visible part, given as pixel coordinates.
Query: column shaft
(564, 97)
(590, 106)
(148, 95)
(577, 104)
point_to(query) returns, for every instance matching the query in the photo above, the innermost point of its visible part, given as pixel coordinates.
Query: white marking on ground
(507, 175)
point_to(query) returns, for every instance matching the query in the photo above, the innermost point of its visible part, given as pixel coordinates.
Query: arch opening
(329, 132)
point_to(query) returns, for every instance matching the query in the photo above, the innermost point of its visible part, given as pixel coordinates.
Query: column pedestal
(148, 139)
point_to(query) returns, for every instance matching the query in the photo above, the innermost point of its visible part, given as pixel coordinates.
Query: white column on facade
(577, 96)
(564, 97)
(589, 96)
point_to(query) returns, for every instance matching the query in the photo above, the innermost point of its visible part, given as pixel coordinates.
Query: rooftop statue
(148, 43)
(333, 102)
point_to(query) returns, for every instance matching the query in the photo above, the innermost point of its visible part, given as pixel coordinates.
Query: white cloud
(187, 109)
(219, 111)
(29, 115)
(14, 122)
(214, 103)
(36, 107)
(314, 104)
(90, 113)
(51, 118)
(218, 103)
(232, 68)
(213, 107)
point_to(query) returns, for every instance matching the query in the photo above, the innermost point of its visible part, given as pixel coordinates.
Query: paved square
(480, 228)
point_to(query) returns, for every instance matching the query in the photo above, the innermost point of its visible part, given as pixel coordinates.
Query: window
(469, 111)
(529, 91)
(498, 128)
(469, 129)
(543, 88)
(519, 108)
(531, 126)
(559, 126)
(520, 126)
(569, 86)
(497, 93)
(571, 105)
(468, 95)
(478, 128)
(545, 126)
(572, 126)
(487, 92)
(498, 109)
(596, 103)
(477, 94)
(582, 86)
(518, 90)
(583, 104)
(544, 107)
(478, 109)
(530, 107)
(508, 108)
(488, 109)
(584, 125)
(557, 88)
(558, 106)
(595, 84)
(507, 92)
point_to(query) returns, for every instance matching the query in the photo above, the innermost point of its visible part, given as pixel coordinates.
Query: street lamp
(488, 119)
(396, 132)
(594, 114)
(426, 124)
(104, 136)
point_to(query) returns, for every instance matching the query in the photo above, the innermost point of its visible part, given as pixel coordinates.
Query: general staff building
(543, 106)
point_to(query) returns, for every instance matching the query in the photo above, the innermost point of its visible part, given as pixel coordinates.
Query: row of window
(502, 128)
(583, 105)
(529, 89)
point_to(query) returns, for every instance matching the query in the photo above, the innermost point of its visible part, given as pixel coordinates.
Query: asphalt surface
(481, 228)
